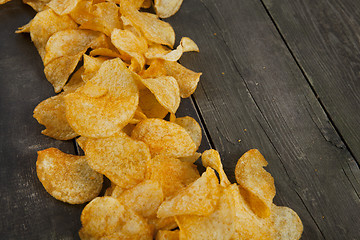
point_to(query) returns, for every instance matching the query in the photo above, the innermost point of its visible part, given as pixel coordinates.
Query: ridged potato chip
(144, 198)
(257, 185)
(67, 177)
(120, 158)
(51, 114)
(167, 8)
(211, 158)
(220, 224)
(167, 235)
(106, 218)
(192, 127)
(153, 29)
(44, 25)
(198, 198)
(182, 173)
(150, 105)
(166, 90)
(186, 78)
(165, 138)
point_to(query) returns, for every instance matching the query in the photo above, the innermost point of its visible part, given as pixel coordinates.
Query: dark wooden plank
(27, 210)
(252, 90)
(324, 38)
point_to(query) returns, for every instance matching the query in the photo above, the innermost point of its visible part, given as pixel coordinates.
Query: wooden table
(281, 76)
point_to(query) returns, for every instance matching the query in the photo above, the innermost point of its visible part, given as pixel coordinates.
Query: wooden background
(280, 76)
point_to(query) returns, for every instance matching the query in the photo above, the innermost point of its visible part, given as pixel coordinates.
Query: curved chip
(211, 158)
(45, 24)
(67, 177)
(166, 90)
(92, 66)
(37, 5)
(75, 81)
(63, 7)
(150, 105)
(286, 222)
(153, 29)
(164, 138)
(192, 127)
(144, 198)
(257, 185)
(198, 198)
(167, 235)
(106, 218)
(120, 158)
(51, 114)
(187, 79)
(167, 8)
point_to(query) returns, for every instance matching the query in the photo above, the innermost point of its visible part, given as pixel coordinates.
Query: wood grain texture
(252, 90)
(328, 51)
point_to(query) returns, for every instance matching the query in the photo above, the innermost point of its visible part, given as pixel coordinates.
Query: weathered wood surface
(328, 52)
(263, 91)
(251, 90)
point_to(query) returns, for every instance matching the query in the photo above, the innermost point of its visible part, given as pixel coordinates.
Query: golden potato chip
(45, 24)
(68, 43)
(146, 4)
(138, 117)
(182, 173)
(150, 105)
(82, 12)
(104, 18)
(128, 129)
(58, 71)
(257, 185)
(156, 69)
(220, 224)
(93, 91)
(24, 29)
(188, 45)
(106, 218)
(105, 52)
(63, 7)
(164, 138)
(198, 198)
(144, 198)
(51, 114)
(37, 5)
(286, 222)
(92, 66)
(120, 158)
(67, 177)
(106, 115)
(75, 81)
(162, 223)
(186, 78)
(153, 29)
(4, 1)
(211, 158)
(192, 127)
(167, 8)
(192, 158)
(134, 46)
(81, 141)
(247, 224)
(166, 90)
(167, 235)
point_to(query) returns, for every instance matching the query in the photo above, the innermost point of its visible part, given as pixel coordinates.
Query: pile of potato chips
(114, 104)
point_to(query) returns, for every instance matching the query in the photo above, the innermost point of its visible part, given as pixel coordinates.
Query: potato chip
(45, 24)
(120, 158)
(24, 29)
(257, 185)
(63, 7)
(188, 45)
(164, 138)
(134, 46)
(211, 158)
(192, 127)
(92, 66)
(182, 173)
(219, 224)
(37, 5)
(81, 141)
(106, 218)
(167, 8)
(192, 158)
(67, 177)
(186, 78)
(144, 198)
(82, 12)
(138, 117)
(198, 198)
(58, 71)
(104, 18)
(153, 29)
(93, 91)
(162, 223)
(166, 90)
(51, 114)
(150, 105)
(4, 1)
(156, 69)
(286, 222)
(105, 52)
(167, 235)
(75, 81)
(68, 43)
(106, 115)
(128, 129)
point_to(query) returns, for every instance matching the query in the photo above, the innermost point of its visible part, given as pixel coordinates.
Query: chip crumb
(214, 34)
